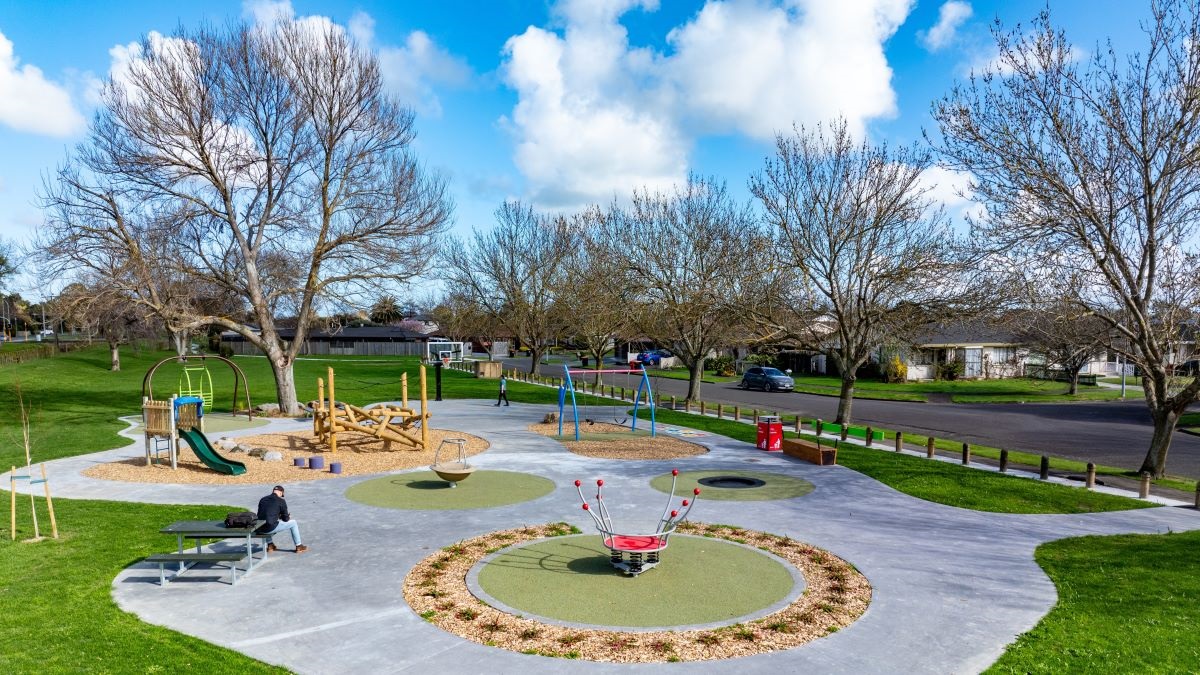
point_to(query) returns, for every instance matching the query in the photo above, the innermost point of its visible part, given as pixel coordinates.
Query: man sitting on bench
(273, 509)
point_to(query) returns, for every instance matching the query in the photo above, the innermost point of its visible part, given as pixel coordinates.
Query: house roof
(967, 333)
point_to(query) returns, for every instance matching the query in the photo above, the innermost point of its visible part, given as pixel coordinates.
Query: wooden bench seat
(809, 451)
(164, 559)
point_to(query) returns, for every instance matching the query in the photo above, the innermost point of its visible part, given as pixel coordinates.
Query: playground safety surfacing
(424, 490)
(719, 592)
(774, 485)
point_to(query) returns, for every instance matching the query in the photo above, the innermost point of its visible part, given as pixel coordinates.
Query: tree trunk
(1155, 462)
(285, 386)
(696, 372)
(1074, 382)
(846, 399)
(535, 357)
(115, 355)
(180, 339)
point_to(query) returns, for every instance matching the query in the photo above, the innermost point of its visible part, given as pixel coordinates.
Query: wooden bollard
(703, 410)
(817, 424)
(756, 415)
(966, 454)
(1003, 460)
(737, 413)
(687, 405)
(622, 393)
(899, 441)
(799, 423)
(720, 411)
(1091, 476)
(1198, 494)
(672, 403)
(870, 437)
(1044, 473)
(1144, 487)
(845, 431)
(929, 447)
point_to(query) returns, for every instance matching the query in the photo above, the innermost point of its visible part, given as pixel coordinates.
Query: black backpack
(240, 519)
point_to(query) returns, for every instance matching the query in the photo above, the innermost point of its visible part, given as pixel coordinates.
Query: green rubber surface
(423, 490)
(778, 486)
(699, 581)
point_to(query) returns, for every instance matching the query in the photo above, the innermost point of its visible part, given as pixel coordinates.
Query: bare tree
(593, 301)
(460, 318)
(103, 310)
(1091, 167)
(286, 166)
(867, 257)
(1065, 337)
(695, 247)
(515, 271)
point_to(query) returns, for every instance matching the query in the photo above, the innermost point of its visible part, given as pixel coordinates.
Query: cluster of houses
(985, 351)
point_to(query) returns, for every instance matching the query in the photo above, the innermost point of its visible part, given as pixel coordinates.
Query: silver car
(767, 379)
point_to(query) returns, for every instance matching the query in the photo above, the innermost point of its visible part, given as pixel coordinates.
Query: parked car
(47, 331)
(653, 357)
(767, 379)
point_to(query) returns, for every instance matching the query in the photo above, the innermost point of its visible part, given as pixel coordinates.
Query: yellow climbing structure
(389, 423)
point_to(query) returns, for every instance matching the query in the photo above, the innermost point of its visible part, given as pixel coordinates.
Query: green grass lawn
(75, 400)
(56, 610)
(1190, 421)
(1126, 604)
(709, 377)
(939, 481)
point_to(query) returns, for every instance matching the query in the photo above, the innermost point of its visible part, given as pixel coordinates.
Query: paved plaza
(951, 587)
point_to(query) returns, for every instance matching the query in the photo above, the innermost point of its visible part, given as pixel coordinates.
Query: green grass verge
(1012, 390)
(75, 399)
(1190, 421)
(56, 610)
(1126, 604)
(939, 481)
(709, 376)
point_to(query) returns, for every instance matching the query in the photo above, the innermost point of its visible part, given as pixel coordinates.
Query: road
(1113, 433)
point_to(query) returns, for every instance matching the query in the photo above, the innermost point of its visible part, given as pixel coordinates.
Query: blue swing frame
(569, 386)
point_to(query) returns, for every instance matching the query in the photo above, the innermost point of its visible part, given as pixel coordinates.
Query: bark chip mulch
(619, 442)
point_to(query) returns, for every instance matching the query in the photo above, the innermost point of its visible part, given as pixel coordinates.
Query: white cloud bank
(31, 103)
(952, 15)
(596, 115)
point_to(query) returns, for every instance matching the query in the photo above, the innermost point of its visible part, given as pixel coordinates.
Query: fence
(325, 348)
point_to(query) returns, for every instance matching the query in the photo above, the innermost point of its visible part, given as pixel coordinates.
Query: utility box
(488, 370)
(770, 433)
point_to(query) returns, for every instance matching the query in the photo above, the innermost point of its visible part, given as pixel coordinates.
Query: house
(985, 350)
(349, 341)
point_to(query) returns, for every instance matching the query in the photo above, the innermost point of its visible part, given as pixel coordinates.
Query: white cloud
(267, 12)
(596, 115)
(412, 71)
(950, 17)
(29, 102)
(951, 189)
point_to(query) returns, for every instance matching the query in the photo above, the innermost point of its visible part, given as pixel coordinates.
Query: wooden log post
(1091, 476)
(687, 405)
(756, 416)
(1198, 494)
(703, 411)
(737, 413)
(333, 427)
(49, 502)
(1003, 460)
(720, 411)
(966, 454)
(799, 423)
(929, 447)
(12, 494)
(899, 441)
(622, 393)
(870, 437)
(672, 403)
(424, 412)
(817, 425)
(845, 431)
(1144, 486)
(1044, 471)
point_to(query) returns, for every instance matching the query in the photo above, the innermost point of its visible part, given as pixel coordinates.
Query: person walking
(503, 391)
(273, 509)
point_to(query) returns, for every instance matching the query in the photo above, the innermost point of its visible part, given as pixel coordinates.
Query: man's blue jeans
(291, 525)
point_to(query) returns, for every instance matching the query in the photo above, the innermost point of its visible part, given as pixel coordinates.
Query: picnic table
(200, 530)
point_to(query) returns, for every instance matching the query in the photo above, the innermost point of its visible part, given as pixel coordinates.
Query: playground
(780, 565)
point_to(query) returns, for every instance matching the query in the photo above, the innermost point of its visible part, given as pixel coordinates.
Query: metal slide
(207, 454)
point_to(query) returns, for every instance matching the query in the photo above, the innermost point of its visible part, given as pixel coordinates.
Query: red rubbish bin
(770, 433)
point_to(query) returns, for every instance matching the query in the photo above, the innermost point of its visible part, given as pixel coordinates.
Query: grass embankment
(56, 609)
(1190, 422)
(939, 482)
(1126, 604)
(75, 399)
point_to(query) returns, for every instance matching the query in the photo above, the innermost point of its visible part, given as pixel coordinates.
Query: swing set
(621, 416)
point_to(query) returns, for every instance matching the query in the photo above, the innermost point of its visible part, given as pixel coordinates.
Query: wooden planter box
(824, 455)
(488, 370)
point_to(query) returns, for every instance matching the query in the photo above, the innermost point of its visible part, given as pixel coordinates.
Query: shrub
(950, 370)
(760, 359)
(895, 371)
(721, 365)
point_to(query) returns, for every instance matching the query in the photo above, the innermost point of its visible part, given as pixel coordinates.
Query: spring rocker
(388, 423)
(643, 550)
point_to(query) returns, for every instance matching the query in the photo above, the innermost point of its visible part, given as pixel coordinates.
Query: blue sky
(560, 103)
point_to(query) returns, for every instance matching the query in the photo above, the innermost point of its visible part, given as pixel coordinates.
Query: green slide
(204, 450)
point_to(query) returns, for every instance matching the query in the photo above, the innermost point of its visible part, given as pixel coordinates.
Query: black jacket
(272, 509)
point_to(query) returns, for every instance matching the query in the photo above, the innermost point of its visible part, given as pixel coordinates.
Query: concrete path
(952, 587)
